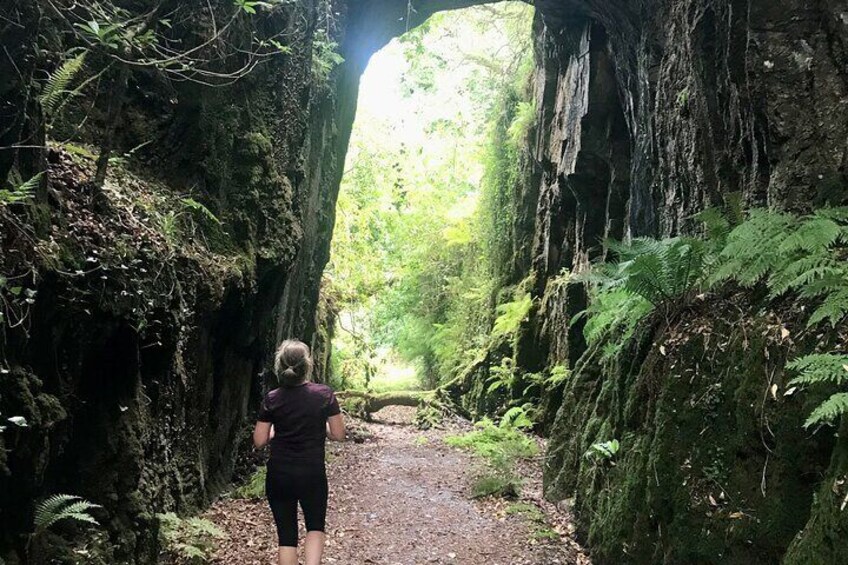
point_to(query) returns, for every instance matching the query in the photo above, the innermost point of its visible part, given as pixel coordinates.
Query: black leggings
(286, 485)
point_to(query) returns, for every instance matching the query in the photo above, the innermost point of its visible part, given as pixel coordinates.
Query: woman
(296, 419)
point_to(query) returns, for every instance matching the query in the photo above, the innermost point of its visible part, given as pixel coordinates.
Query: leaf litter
(400, 496)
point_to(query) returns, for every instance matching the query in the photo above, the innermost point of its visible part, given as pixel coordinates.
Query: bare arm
(336, 428)
(262, 434)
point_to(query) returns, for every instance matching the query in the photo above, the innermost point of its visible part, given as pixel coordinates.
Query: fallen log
(370, 402)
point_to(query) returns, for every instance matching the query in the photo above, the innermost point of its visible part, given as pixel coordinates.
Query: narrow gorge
(170, 176)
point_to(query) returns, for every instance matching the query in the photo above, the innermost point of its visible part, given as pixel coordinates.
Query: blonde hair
(292, 363)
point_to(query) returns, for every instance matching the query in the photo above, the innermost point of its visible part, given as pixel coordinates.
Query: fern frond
(21, 192)
(829, 410)
(752, 247)
(193, 204)
(716, 224)
(63, 507)
(813, 235)
(837, 213)
(48, 508)
(833, 309)
(802, 272)
(819, 368)
(57, 83)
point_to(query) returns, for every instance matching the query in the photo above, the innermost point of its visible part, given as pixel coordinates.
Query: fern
(63, 507)
(833, 309)
(511, 315)
(649, 274)
(193, 539)
(22, 192)
(819, 368)
(823, 369)
(720, 221)
(829, 410)
(524, 120)
(56, 88)
(196, 206)
(804, 254)
(753, 248)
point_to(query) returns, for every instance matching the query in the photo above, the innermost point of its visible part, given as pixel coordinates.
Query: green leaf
(829, 410)
(19, 421)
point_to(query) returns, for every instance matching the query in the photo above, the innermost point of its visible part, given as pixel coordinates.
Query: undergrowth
(501, 446)
(539, 527)
(805, 256)
(254, 488)
(191, 540)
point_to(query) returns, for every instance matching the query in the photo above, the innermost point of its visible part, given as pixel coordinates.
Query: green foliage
(106, 34)
(603, 450)
(524, 120)
(418, 234)
(823, 369)
(494, 483)
(805, 255)
(501, 447)
(662, 272)
(192, 539)
(254, 488)
(22, 192)
(61, 507)
(56, 90)
(558, 375)
(501, 377)
(829, 410)
(250, 6)
(196, 206)
(649, 275)
(512, 314)
(801, 254)
(325, 57)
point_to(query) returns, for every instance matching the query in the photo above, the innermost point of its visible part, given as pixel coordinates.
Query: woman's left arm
(262, 434)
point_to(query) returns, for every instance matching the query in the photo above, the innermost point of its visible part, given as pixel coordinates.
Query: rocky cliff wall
(649, 113)
(134, 327)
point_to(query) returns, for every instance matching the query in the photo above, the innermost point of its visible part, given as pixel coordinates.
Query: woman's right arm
(336, 428)
(262, 434)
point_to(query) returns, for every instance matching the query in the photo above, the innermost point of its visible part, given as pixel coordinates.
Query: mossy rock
(713, 466)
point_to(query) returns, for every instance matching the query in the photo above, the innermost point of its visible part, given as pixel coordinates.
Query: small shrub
(605, 450)
(512, 314)
(500, 446)
(254, 488)
(495, 484)
(191, 539)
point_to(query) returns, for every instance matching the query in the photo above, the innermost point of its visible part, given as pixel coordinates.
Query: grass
(540, 529)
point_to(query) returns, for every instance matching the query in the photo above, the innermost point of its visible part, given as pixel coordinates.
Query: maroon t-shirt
(299, 415)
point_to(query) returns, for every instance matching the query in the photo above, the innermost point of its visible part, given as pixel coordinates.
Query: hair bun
(290, 372)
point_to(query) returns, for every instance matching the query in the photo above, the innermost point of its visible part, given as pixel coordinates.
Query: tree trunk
(373, 402)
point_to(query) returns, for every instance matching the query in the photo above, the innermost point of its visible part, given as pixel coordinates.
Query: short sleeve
(333, 406)
(264, 414)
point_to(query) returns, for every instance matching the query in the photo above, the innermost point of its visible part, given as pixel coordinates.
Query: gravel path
(400, 497)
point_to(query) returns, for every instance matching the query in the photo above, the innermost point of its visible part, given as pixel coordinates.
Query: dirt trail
(401, 498)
